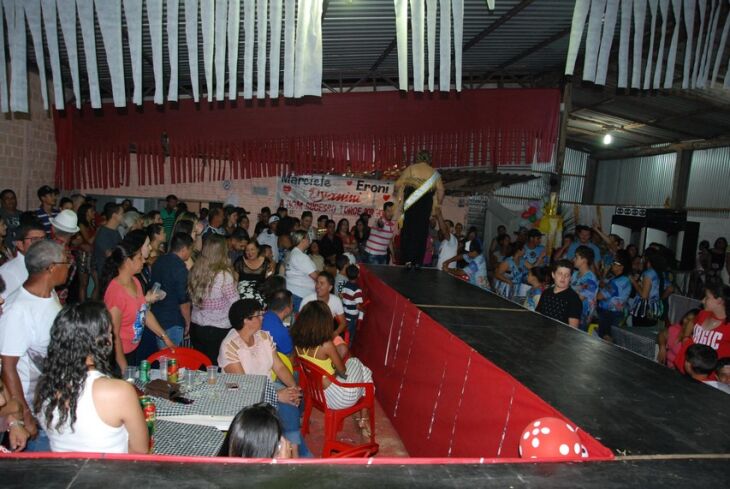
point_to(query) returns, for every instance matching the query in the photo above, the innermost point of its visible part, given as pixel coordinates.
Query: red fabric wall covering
(444, 399)
(359, 131)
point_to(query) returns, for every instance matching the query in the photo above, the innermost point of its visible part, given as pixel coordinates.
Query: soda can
(172, 370)
(144, 371)
(150, 417)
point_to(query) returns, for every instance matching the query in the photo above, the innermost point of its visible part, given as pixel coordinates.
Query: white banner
(335, 196)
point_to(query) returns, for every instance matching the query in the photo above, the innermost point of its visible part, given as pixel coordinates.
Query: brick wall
(28, 148)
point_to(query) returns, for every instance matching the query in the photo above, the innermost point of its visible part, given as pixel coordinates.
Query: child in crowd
(537, 278)
(585, 283)
(614, 296)
(670, 339)
(722, 370)
(700, 362)
(342, 262)
(352, 300)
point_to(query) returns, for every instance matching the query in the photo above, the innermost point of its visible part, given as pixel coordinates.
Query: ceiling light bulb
(607, 139)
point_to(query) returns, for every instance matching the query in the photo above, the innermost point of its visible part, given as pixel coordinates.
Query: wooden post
(565, 108)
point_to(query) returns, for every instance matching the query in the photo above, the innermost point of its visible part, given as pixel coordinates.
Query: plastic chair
(310, 381)
(186, 358)
(360, 451)
(287, 363)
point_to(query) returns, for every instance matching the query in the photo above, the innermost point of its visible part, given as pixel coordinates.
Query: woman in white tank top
(78, 405)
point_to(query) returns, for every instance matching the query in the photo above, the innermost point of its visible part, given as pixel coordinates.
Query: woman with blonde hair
(188, 223)
(212, 288)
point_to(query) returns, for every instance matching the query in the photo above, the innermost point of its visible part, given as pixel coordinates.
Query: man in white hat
(64, 228)
(268, 236)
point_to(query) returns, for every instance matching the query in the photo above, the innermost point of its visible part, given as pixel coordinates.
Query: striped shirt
(379, 239)
(351, 297)
(46, 219)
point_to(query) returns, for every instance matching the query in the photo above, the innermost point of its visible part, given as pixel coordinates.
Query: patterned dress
(476, 270)
(616, 294)
(515, 272)
(652, 307)
(586, 286)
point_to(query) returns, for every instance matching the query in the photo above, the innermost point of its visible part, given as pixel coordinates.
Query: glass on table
(131, 373)
(212, 374)
(163, 367)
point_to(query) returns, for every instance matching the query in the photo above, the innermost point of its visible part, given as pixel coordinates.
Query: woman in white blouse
(301, 272)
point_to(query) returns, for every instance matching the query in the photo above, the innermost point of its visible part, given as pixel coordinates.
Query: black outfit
(329, 247)
(561, 306)
(415, 228)
(208, 339)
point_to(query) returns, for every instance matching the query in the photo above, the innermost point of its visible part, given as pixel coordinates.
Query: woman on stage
(415, 191)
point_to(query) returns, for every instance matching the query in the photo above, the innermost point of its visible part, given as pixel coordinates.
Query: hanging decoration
(120, 22)
(649, 20)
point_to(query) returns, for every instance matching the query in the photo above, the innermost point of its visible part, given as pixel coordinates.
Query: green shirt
(168, 221)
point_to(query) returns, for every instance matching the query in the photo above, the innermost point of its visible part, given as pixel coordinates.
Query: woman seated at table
(79, 406)
(247, 349)
(256, 432)
(323, 288)
(312, 337)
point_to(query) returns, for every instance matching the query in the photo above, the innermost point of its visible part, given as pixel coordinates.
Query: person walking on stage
(415, 196)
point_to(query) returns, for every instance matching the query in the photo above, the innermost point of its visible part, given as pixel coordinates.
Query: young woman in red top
(712, 325)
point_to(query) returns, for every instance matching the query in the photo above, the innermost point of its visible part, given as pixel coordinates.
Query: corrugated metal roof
(645, 181)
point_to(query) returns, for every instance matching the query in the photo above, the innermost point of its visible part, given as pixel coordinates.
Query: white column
(289, 43)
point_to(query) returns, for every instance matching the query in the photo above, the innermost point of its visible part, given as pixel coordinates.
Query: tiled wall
(28, 148)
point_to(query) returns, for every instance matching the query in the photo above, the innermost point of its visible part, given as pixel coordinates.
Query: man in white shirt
(268, 236)
(449, 244)
(25, 329)
(14, 272)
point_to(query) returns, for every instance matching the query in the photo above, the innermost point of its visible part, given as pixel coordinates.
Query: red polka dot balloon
(551, 438)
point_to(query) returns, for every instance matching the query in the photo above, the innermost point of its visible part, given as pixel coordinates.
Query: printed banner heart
(349, 182)
(286, 188)
(386, 197)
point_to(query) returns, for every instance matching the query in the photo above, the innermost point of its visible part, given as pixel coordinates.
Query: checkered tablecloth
(218, 399)
(186, 439)
(638, 340)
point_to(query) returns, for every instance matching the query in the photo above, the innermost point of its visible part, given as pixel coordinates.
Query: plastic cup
(212, 374)
(189, 377)
(131, 373)
(163, 367)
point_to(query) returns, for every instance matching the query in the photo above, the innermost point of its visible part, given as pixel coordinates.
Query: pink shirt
(255, 360)
(133, 309)
(673, 343)
(213, 311)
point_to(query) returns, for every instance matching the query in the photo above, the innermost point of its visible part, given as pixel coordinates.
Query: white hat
(273, 219)
(66, 221)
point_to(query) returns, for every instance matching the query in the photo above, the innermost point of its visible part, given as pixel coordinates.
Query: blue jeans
(296, 302)
(289, 416)
(40, 444)
(352, 328)
(376, 259)
(176, 335)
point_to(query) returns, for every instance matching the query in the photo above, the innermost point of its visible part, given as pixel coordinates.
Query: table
(638, 340)
(187, 439)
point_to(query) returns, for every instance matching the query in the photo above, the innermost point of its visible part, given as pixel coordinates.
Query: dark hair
(243, 309)
(64, 201)
(386, 206)
(623, 257)
(585, 252)
(561, 264)
(81, 214)
(502, 237)
(136, 238)
(272, 285)
(514, 248)
(540, 273)
(279, 300)
(255, 432)
(693, 312)
(5, 192)
(329, 221)
(110, 208)
(341, 261)
(313, 325)
(239, 234)
(184, 226)
(720, 291)
(341, 222)
(180, 241)
(352, 272)
(702, 359)
(22, 231)
(328, 276)
(79, 331)
(704, 244)
(2, 284)
(265, 210)
(306, 214)
(475, 246)
(153, 230)
(722, 363)
(171, 196)
(280, 209)
(121, 252)
(322, 217)
(423, 156)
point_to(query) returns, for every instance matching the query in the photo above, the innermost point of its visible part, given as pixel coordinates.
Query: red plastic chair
(360, 451)
(186, 357)
(310, 380)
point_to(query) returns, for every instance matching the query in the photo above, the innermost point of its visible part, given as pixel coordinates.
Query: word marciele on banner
(338, 197)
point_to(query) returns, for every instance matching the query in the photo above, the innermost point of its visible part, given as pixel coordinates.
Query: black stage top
(630, 404)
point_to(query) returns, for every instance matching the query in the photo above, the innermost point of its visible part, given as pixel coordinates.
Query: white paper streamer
(609, 27)
(653, 5)
(417, 26)
(431, 8)
(308, 53)
(18, 59)
(221, 21)
(289, 41)
(401, 35)
(248, 31)
(627, 11)
(33, 16)
(154, 20)
(720, 53)
(672, 56)
(4, 106)
(664, 9)
(86, 19)
(689, 24)
(709, 45)
(457, 7)
(191, 38)
(133, 16)
(698, 49)
(275, 54)
(110, 23)
(234, 24)
(580, 12)
(262, 20)
(172, 47)
(207, 26)
(593, 39)
(67, 17)
(639, 20)
(445, 46)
